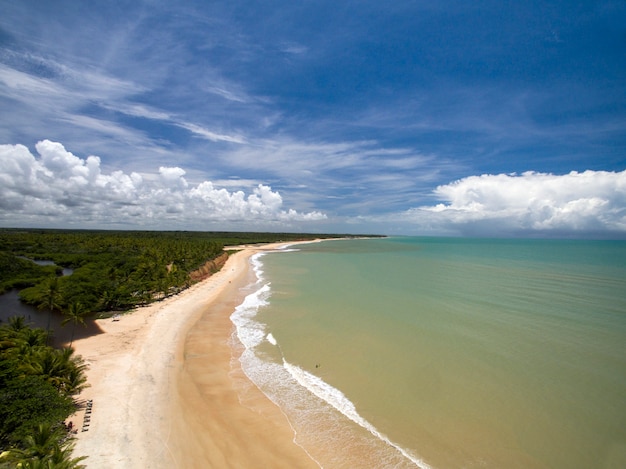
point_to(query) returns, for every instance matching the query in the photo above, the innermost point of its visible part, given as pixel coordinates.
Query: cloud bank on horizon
(65, 190)
(61, 189)
(588, 203)
(452, 118)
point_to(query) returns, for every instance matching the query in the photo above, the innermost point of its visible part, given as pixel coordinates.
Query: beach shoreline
(162, 387)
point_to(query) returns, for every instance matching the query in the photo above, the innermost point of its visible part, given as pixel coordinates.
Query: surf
(322, 417)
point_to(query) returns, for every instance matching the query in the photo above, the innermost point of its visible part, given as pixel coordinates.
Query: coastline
(463, 427)
(162, 385)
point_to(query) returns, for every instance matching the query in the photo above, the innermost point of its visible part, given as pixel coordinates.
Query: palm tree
(17, 339)
(36, 447)
(17, 323)
(76, 381)
(51, 299)
(76, 313)
(45, 448)
(10, 332)
(33, 337)
(61, 368)
(41, 442)
(107, 299)
(73, 371)
(61, 456)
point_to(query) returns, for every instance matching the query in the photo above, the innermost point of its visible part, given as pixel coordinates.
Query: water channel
(10, 305)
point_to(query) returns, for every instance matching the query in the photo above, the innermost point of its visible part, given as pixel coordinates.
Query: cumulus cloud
(59, 187)
(587, 202)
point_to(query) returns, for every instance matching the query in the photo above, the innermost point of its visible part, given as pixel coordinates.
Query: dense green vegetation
(19, 273)
(113, 270)
(37, 385)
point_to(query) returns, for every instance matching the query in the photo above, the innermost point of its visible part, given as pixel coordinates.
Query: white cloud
(68, 89)
(173, 177)
(209, 135)
(295, 49)
(138, 110)
(588, 202)
(60, 188)
(17, 83)
(228, 94)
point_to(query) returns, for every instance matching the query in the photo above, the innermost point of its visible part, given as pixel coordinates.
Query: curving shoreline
(163, 386)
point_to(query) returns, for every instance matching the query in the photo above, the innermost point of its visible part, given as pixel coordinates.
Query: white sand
(156, 405)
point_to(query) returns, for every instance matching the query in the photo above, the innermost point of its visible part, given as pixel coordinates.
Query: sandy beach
(164, 387)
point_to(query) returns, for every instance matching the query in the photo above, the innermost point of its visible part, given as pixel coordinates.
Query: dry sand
(164, 387)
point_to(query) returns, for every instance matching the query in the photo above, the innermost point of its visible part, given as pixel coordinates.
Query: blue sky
(407, 117)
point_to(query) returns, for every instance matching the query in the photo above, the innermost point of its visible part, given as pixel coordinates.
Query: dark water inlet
(10, 305)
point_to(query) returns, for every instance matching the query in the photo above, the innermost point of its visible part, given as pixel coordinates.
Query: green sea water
(444, 353)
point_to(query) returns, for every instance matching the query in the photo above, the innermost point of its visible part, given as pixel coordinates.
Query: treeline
(112, 270)
(20, 273)
(37, 388)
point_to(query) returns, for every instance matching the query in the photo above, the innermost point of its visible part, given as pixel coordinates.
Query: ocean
(443, 353)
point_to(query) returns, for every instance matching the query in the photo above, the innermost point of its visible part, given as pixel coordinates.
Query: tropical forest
(80, 275)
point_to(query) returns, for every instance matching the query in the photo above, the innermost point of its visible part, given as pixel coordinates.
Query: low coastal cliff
(209, 268)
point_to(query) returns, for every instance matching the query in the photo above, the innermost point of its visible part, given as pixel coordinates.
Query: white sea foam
(250, 332)
(257, 266)
(308, 402)
(339, 401)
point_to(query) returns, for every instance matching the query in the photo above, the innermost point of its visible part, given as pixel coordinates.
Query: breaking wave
(327, 424)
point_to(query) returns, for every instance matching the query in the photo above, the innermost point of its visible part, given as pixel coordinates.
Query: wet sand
(166, 387)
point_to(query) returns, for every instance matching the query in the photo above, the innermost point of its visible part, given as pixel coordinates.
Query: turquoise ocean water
(444, 353)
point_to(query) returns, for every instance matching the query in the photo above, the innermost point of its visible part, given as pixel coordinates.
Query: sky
(455, 118)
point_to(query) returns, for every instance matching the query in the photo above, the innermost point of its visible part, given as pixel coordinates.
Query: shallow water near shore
(444, 353)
